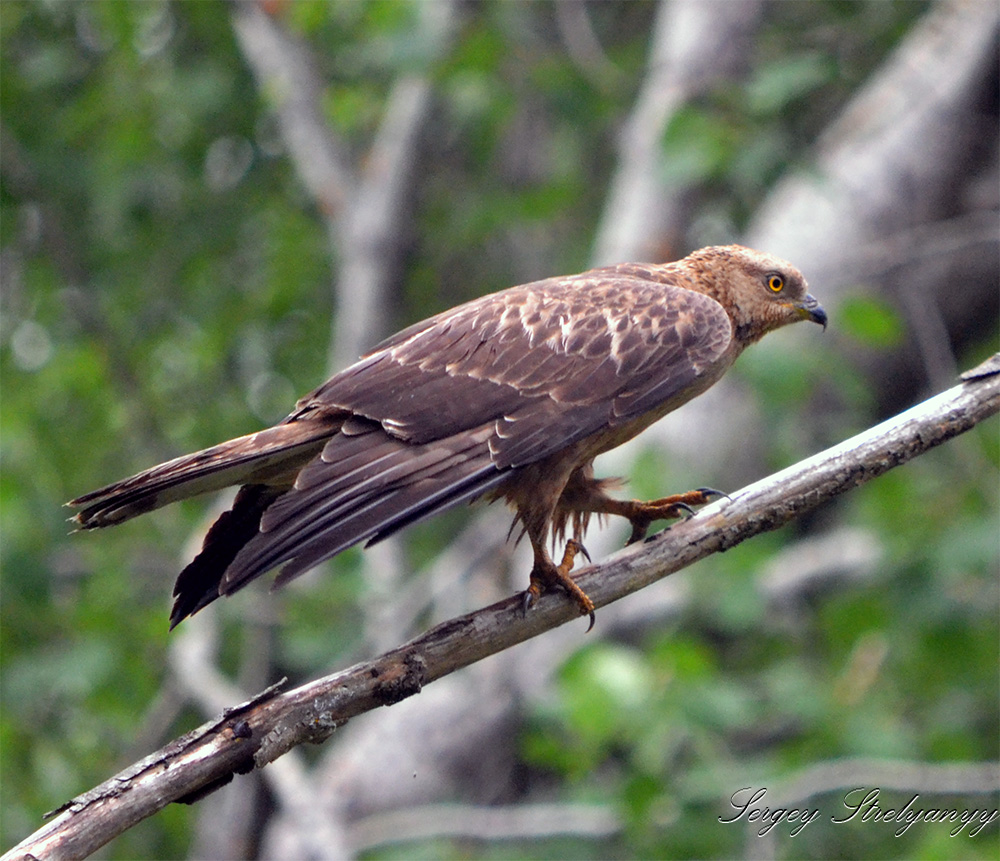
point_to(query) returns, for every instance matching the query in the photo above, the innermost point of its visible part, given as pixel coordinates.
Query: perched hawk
(508, 396)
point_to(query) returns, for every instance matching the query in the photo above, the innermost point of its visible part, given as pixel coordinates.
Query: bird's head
(760, 292)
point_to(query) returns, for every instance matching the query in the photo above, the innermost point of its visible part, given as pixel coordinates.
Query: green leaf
(781, 82)
(698, 144)
(870, 320)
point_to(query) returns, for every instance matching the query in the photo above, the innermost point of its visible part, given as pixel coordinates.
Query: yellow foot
(547, 575)
(641, 514)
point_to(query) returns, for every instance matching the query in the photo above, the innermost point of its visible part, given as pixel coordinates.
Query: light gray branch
(374, 230)
(529, 821)
(945, 778)
(873, 195)
(287, 78)
(363, 206)
(516, 821)
(694, 45)
(258, 732)
(888, 775)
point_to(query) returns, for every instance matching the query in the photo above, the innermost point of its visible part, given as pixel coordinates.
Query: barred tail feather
(269, 456)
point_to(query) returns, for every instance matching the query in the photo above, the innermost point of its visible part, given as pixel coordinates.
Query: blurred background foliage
(167, 283)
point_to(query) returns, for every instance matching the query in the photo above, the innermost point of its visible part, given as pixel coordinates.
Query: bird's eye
(775, 283)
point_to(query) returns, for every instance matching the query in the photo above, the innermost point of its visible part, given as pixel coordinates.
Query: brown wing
(446, 408)
(595, 349)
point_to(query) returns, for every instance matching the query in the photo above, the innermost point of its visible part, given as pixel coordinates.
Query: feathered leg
(535, 491)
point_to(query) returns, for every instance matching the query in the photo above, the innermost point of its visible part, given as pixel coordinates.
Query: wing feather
(573, 355)
(347, 501)
(562, 358)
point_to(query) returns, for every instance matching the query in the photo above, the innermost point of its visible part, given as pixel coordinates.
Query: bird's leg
(545, 574)
(586, 494)
(641, 514)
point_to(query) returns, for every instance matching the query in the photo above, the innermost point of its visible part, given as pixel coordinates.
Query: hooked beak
(810, 309)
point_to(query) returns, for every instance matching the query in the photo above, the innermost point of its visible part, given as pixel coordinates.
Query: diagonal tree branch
(261, 730)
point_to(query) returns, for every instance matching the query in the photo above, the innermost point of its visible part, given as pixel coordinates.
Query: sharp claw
(687, 509)
(709, 492)
(573, 547)
(545, 576)
(590, 627)
(527, 599)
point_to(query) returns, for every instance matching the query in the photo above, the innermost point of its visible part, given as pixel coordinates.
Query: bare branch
(374, 230)
(258, 732)
(371, 244)
(859, 197)
(694, 45)
(584, 48)
(952, 778)
(287, 78)
(528, 821)
(939, 778)
(363, 206)
(518, 821)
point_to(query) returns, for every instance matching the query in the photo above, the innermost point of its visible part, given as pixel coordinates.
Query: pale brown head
(759, 291)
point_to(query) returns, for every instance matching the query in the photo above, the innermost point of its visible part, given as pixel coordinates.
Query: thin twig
(286, 75)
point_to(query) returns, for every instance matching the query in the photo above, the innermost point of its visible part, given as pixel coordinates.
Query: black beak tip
(810, 308)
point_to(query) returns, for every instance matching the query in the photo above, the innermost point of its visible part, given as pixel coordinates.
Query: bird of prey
(508, 396)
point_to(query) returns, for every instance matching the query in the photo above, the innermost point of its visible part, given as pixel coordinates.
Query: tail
(270, 457)
(198, 584)
(310, 488)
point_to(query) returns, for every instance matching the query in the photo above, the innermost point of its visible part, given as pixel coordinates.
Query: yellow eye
(775, 282)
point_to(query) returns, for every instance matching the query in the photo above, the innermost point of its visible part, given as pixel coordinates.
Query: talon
(573, 546)
(528, 598)
(639, 530)
(642, 514)
(586, 605)
(710, 492)
(689, 512)
(546, 575)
